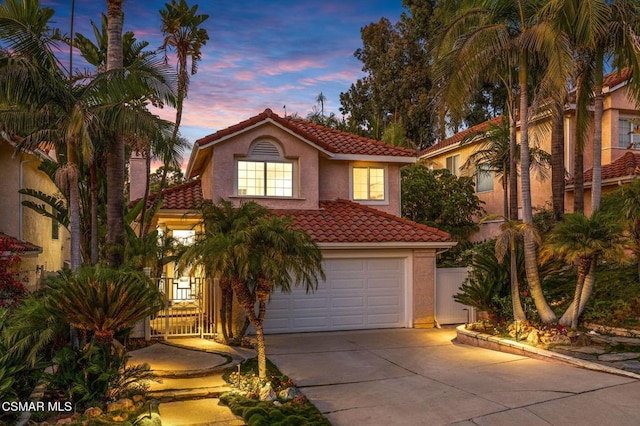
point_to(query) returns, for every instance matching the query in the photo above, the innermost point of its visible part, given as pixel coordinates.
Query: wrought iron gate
(188, 308)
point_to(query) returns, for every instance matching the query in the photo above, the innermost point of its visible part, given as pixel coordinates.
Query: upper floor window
(484, 178)
(368, 183)
(453, 164)
(629, 133)
(265, 172)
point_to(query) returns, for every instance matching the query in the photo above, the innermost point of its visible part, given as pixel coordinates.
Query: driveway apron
(423, 377)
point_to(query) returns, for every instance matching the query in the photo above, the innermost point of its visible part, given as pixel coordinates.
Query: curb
(474, 338)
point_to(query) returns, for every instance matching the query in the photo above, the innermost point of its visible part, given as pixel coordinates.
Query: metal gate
(448, 311)
(188, 308)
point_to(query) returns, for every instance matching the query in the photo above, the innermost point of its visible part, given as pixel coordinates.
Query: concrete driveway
(421, 377)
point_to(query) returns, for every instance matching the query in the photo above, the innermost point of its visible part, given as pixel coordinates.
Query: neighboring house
(620, 154)
(344, 190)
(43, 243)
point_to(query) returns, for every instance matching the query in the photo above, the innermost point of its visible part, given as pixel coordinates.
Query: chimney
(137, 175)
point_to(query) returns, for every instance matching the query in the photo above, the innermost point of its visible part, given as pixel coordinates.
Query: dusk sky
(261, 54)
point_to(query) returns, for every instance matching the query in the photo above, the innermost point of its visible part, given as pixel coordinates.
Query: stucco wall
(424, 275)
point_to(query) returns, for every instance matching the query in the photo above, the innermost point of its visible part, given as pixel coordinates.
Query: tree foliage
(438, 198)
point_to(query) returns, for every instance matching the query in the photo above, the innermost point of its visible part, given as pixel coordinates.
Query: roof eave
(387, 245)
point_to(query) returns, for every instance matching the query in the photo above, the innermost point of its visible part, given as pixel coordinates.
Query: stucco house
(620, 154)
(41, 242)
(344, 190)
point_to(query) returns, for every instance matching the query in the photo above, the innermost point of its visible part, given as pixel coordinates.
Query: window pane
(280, 179)
(360, 183)
(250, 178)
(484, 178)
(376, 184)
(624, 129)
(453, 164)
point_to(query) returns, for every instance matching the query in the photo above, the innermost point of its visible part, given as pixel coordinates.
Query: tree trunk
(505, 195)
(94, 213)
(518, 312)
(584, 265)
(262, 354)
(530, 256)
(557, 164)
(74, 214)
(587, 289)
(115, 146)
(513, 166)
(596, 182)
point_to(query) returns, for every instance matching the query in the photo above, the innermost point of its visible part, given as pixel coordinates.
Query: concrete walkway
(411, 376)
(190, 371)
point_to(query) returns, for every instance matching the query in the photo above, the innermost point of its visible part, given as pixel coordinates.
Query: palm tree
(510, 232)
(585, 241)
(253, 252)
(104, 300)
(115, 145)
(280, 256)
(489, 32)
(214, 251)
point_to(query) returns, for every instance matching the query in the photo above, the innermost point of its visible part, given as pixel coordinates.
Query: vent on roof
(264, 149)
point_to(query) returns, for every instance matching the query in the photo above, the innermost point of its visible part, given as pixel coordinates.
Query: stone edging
(474, 338)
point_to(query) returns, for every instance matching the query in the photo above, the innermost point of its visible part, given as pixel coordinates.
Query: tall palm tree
(115, 145)
(483, 33)
(585, 240)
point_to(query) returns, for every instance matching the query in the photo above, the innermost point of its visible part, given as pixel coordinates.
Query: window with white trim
(453, 164)
(368, 183)
(484, 178)
(629, 133)
(265, 172)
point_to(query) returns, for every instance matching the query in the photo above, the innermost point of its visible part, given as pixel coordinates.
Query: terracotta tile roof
(342, 221)
(458, 137)
(17, 245)
(616, 78)
(331, 140)
(627, 165)
(186, 196)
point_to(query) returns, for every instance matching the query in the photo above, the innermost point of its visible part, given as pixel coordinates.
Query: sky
(261, 54)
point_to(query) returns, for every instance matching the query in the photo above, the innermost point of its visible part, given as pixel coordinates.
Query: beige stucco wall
(219, 173)
(35, 228)
(424, 269)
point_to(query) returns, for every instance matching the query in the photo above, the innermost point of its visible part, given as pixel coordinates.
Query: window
(265, 173)
(484, 178)
(368, 183)
(453, 164)
(55, 229)
(629, 133)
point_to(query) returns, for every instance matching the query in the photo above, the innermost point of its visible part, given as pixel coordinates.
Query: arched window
(265, 172)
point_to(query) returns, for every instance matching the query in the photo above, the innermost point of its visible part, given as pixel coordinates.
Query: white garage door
(357, 294)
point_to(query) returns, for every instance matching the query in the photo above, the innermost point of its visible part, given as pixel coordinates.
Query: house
(620, 154)
(344, 190)
(41, 242)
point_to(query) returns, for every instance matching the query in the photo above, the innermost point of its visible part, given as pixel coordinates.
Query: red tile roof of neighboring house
(615, 78)
(342, 221)
(17, 245)
(459, 137)
(186, 196)
(627, 165)
(331, 140)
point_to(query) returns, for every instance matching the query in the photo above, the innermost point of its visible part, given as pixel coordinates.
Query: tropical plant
(487, 283)
(507, 241)
(255, 252)
(11, 288)
(585, 241)
(103, 301)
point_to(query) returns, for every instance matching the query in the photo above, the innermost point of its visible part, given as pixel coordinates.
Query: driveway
(423, 377)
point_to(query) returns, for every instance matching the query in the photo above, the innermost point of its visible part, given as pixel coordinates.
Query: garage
(358, 293)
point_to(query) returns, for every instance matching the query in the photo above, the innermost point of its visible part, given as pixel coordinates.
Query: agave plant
(104, 300)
